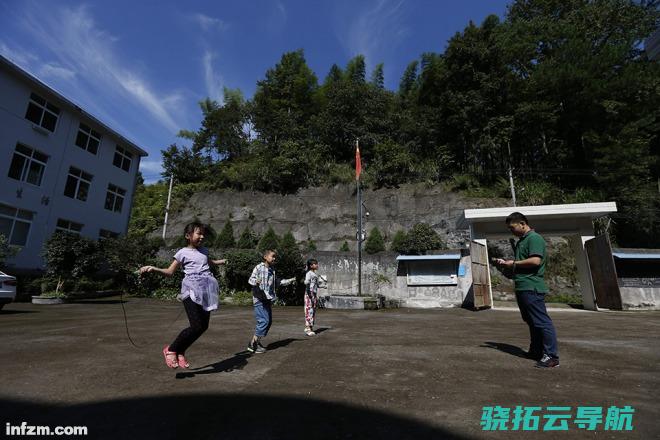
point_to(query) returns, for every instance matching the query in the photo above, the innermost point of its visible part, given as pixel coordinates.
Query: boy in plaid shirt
(264, 282)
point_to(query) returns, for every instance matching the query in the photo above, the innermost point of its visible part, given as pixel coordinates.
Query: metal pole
(167, 208)
(513, 189)
(359, 239)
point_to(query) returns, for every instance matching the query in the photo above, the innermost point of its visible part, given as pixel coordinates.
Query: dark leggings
(199, 322)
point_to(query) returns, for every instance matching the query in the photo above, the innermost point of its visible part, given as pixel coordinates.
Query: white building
(60, 168)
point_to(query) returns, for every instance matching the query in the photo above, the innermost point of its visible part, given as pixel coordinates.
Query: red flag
(358, 162)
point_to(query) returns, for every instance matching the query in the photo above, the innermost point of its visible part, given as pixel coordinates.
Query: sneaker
(309, 332)
(258, 348)
(547, 362)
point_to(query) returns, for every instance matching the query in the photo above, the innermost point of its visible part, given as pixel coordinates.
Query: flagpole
(359, 214)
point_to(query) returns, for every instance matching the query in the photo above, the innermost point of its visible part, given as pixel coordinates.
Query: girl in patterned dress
(199, 292)
(312, 284)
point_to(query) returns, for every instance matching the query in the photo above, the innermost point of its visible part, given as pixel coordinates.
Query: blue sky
(142, 66)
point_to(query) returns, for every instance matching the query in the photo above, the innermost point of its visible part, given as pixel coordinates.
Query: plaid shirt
(266, 277)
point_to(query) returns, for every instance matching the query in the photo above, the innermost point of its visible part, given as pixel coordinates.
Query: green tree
(344, 247)
(285, 100)
(6, 250)
(248, 239)
(185, 164)
(69, 255)
(290, 264)
(226, 237)
(375, 242)
(269, 240)
(420, 239)
(399, 242)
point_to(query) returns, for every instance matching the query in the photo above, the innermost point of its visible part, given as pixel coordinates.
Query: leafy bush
(399, 242)
(247, 240)
(375, 242)
(420, 239)
(6, 250)
(238, 269)
(538, 193)
(344, 247)
(70, 256)
(309, 245)
(225, 239)
(290, 264)
(270, 240)
(241, 298)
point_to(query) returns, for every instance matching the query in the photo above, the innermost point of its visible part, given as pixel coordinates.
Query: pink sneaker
(183, 362)
(170, 357)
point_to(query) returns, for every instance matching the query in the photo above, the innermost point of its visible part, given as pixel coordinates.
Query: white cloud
(377, 31)
(214, 82)
(208, 23)
(88, 52)
(18, 55)
(56, 71)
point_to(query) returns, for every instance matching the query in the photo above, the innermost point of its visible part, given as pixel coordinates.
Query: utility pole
(167, 207)
(359, 225)
(513, 189)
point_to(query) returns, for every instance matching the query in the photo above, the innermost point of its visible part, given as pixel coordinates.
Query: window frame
(113, 195)
(68, 228)
(79, 178)
(90, 135)
(21, 219)
(43, 107)
(28, 160)
(124, 156)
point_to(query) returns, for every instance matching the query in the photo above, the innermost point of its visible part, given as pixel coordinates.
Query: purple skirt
(202, 288)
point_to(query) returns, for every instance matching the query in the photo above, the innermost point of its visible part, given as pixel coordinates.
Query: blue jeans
(263, 312)
(541, 330)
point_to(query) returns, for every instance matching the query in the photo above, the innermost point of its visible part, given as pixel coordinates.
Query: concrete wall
(383, 275)
(637, 298)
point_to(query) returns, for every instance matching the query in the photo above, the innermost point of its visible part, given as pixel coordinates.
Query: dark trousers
(199, 322)
(541, 330)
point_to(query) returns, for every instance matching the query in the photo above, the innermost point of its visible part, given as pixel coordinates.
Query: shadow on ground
(506, 348)
(223, 416)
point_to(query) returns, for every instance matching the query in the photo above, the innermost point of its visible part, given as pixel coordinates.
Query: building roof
(452, 255)
(585, 210)
(636, 254)
(73, 107)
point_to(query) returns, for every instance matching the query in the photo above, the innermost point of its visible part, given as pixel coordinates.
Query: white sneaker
(309, 332)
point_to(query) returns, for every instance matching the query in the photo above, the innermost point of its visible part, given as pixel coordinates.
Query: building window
(122, 159)
(77, 184)
(68, 226)
(88, 139)
(42, 113)
(15, 224)
(114, 198)
(27, 165)
(104, 233)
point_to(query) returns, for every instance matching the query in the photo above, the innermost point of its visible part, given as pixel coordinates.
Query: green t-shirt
(530, 245)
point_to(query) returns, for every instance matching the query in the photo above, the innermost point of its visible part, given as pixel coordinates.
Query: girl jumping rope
(199, 292)
(312, 284)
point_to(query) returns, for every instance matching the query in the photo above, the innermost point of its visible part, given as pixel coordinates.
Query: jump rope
(128, 333)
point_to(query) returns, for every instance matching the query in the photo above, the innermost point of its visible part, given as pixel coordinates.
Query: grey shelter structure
(593, 255)
(638, 277)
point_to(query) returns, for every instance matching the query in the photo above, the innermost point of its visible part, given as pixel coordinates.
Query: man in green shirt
(528, 269)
